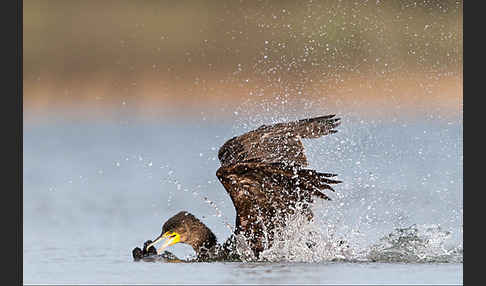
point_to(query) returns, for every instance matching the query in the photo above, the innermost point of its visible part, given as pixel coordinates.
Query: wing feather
(265, 194)
(263, 172)
(277, 143)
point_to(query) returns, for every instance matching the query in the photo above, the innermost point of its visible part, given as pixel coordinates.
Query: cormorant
(264, 173)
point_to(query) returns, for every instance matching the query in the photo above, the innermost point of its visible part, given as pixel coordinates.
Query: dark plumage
(264, 173)
(186, 224)
(278, 143)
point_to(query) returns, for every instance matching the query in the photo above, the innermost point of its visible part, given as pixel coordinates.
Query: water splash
(171, 178)
(304, 241)
(417, 243)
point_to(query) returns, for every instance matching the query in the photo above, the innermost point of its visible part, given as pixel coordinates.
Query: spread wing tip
(317, 126)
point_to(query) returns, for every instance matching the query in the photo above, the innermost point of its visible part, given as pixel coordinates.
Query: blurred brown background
(157, 58)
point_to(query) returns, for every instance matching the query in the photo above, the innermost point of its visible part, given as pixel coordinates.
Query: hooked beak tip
(170, 241)
(154, 242)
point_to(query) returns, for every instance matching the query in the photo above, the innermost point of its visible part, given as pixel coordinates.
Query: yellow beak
(172, 238)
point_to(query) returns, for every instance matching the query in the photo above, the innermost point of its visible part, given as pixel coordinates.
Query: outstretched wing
(278, 143)
(265, 194)
(263, 172)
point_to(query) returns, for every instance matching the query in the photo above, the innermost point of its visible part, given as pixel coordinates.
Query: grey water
(95, 189)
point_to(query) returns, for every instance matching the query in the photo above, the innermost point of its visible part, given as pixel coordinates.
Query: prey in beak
(171, 238)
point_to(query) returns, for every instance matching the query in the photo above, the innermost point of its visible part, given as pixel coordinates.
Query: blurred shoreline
(397, 94)
(210, 59)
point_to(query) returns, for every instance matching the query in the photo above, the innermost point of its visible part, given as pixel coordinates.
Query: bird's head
(185, 228)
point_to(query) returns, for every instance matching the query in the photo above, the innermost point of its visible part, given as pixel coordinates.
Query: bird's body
(264, 172)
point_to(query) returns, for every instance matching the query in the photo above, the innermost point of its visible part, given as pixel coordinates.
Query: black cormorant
(264, 173)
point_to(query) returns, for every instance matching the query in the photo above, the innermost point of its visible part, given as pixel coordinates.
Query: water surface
(95, 190)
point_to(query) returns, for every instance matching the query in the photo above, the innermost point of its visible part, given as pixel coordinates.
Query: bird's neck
(206, 241)
(213, 251)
